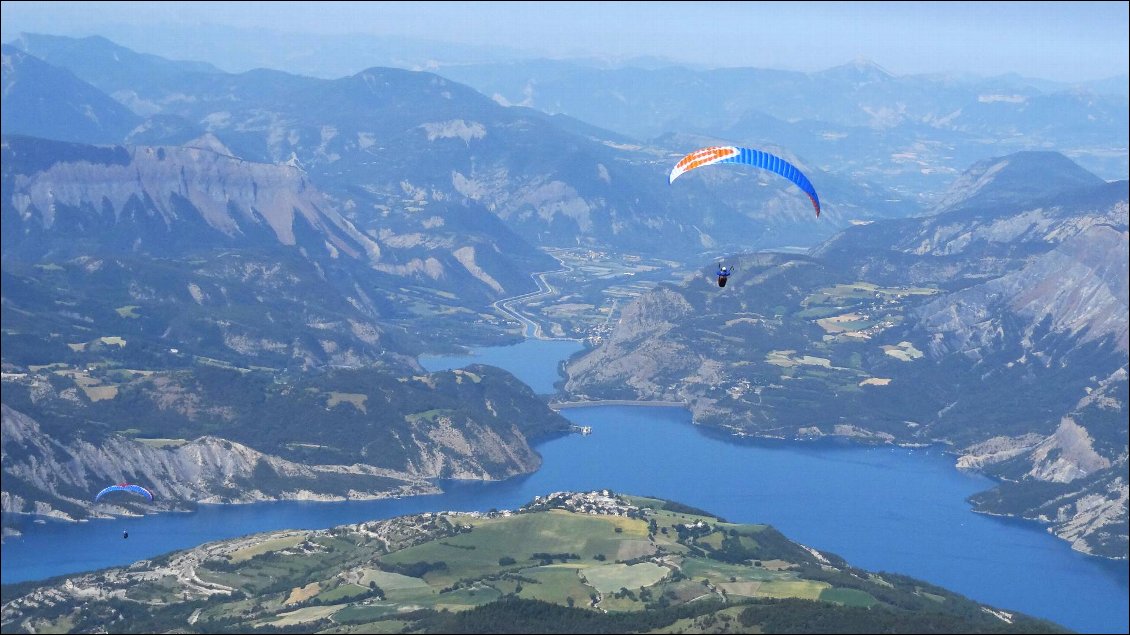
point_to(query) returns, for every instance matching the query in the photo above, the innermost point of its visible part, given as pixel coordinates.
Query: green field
(390, 581)
(276, 544)
(699, 568)
(803, 589)
(520, 537)
(556, 583)
(848, 597)
(360, 613)
(427, 415)
(463, 599)
(340, 592)
(613, 577)
(356, 400)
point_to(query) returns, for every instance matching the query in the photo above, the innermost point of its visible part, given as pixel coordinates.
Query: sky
(1060, 41)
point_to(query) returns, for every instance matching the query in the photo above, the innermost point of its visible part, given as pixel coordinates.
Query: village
(596, 503)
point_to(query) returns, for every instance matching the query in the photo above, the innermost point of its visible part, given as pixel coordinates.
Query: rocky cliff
(48, 477)
(1077, 290)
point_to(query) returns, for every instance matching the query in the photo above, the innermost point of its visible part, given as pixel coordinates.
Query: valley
(391, 310)
(584, 298)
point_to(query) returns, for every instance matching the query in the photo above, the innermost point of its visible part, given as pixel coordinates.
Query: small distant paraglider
(126, 487)
(129, 488)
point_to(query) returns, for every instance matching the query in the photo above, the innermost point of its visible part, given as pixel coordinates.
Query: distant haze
(1059, 41)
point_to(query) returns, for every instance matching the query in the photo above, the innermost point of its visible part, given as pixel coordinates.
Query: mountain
(233, 304)
(212, 434)
(980, 233)
(996, 327)
(399, 142)
(106, 64)
(76, 200)
(913, 134)
(233, 260)
(46, 101)
(1012, 179)
(237, 49)
(590, 562)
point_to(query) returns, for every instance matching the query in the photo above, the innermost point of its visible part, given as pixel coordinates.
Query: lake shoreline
(565, 405)
(881, 508)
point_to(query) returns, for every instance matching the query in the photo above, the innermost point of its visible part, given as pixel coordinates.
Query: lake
(882, 508)
(536, 362)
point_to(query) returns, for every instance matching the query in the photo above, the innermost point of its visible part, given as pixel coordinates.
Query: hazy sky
(1065, 41)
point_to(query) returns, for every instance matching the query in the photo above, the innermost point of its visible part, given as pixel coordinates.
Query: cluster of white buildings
(597, 503)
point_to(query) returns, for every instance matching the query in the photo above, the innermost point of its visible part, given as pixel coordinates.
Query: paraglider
(723, 274)
(746, 156)
(126, 487)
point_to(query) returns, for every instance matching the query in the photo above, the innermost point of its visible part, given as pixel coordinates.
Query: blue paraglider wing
(126, 487)
(746, 156)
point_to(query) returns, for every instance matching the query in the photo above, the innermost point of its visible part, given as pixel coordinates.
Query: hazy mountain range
(912, 135)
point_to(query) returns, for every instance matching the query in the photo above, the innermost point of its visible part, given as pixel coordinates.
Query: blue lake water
(881, 508)
(535, 362)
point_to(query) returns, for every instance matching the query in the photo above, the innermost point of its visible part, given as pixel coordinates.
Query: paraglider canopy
(746, 156)
(126, 487)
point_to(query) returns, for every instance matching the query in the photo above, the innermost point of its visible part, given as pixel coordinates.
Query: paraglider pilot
(723, 275)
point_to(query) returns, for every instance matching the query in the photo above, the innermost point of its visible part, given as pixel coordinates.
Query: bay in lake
(536, 362)
(881, 508)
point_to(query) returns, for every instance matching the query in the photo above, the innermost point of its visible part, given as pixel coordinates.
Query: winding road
(532, 329)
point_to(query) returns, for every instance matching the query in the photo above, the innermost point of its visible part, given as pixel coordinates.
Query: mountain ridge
(91, 115)
(1007, 314)
(554, 182)
(226, 436)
